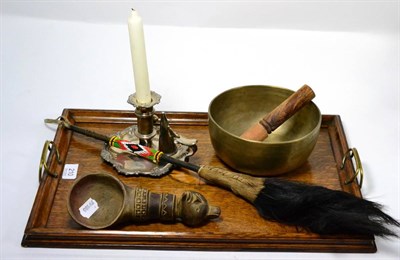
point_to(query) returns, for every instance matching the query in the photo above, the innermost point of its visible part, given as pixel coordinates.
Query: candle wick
(133, 9)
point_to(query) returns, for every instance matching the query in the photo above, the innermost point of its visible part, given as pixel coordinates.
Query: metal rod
(163, 158)
(89, 133)
(187, 165)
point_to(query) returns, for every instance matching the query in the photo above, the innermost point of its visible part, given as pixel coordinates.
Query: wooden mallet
(261, 130)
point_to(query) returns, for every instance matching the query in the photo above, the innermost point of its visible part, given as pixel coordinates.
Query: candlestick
(139, 60)
(150, 131)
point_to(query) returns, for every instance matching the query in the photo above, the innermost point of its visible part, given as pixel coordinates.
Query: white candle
(139, 61)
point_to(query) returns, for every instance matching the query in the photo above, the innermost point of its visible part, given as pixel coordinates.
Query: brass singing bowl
(285, 149)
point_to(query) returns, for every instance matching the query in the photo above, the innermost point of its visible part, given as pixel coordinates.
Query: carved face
(195, 209)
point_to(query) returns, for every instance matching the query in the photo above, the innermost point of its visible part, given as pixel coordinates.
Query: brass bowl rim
(262, 142)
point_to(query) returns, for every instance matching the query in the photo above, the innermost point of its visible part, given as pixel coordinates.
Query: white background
(72, 54)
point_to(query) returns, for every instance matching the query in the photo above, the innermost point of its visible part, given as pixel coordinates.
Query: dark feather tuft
(322, 210)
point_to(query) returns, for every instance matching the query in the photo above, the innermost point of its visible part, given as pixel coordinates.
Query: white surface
(64, 54)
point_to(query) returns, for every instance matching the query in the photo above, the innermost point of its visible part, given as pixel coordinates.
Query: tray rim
(38, 235)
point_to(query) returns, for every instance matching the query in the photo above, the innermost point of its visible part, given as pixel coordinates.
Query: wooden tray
(239, 227)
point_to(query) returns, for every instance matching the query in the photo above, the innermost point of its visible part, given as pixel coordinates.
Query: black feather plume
(322, 210)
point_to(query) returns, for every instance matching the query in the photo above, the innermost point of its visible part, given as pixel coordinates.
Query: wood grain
(239, 227)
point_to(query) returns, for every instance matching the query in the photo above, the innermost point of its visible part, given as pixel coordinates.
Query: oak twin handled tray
(238, 228)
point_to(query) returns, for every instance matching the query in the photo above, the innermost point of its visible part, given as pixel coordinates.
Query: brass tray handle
(48, 146)
(353, 153)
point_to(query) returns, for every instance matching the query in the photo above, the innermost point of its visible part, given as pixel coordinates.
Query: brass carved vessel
(287, 148)
(98, 201)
